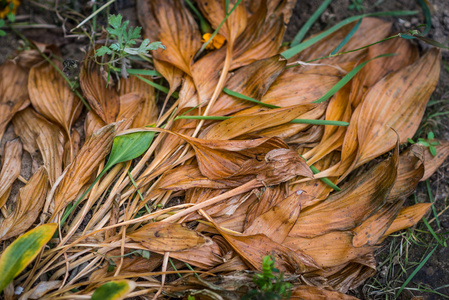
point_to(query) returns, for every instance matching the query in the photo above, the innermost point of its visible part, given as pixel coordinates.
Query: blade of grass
(432, 232)
(324, 179)
(434, 211)
(241, 96)
(300, 47)
(204, 25)
(138, 191)
(347, 38)
(139, 72)
(174, 268)
(295, 121)
(157, 86)
(423, 262)
(305, 28)
(427, 15)
(346, 79)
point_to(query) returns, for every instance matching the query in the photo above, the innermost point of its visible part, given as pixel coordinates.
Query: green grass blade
(427, 15)
(157, 86)
(300, 47)
(346, 79)
(416, 271)
(347, 38)
(325, 180)
(241, 96)
(434, 211)
(305, 28)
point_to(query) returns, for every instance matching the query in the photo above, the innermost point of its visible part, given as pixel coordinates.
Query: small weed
(123, 39)
(269, 286)
(357, 5)
(429, 142)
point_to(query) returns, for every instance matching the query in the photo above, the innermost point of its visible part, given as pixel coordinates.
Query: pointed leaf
(23, 251)
(114, 290)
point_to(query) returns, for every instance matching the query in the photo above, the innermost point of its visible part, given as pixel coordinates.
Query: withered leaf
(432, 163)
(38, 133)
(86, 162)
(358, 200)
(171, 23)
(312, 292)
(12, 164)
(52, 97)
(29, 202)
(13, 92)
(103, 98)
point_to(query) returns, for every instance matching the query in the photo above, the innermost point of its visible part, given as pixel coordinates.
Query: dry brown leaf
(12, 164)
(148, 113)
(86, 162)
(406, 53)
(130, 107)
(13, 92)
(71, 148)
(103, 98)
(92, 123)
(29, 202)
(52, 97)
(279, 220)
(28, 58)
(172, 74)
(396, 102)
(407, 217)
(316, 293)
(38, 133)
(328, 250)
(215, 11)
(247, 123)
(252, 81)
(170, 22)
(182, 243)
(432, 163)
(358, 200)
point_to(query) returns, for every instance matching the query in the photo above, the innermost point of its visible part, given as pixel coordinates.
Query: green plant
(123, 39)
(357, 5)
(429, 142)
(269, 286)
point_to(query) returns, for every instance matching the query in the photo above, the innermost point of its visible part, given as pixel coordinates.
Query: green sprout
(269, 286)
(357, 5)
(429, 142)
(123, 40)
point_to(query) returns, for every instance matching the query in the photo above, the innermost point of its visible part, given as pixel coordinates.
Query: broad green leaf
(114, 290)
(23, 251)
(129, 146)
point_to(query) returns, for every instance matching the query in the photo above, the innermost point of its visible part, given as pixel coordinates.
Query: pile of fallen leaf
(207, 200)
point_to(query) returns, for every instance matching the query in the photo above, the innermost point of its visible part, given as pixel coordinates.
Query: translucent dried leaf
(12, 164)
(316, 293)
(52, 97)
(172, 24)
(38, 133)
(13, 92)
(29, 202)
(103, 98)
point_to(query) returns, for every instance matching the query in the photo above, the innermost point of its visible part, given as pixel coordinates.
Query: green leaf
(2, 22)
(427, 14)
(410, 141)
(302, 32)
(155, 46)
(129, 146)
(2, 33)
(433, 150)
(103, 50)
(11, 17)
(347, 38)
(23, 251)
(114, 290)
(434, 143)
(430, 135)
(115, 47)
(424, 143)
(115, 21)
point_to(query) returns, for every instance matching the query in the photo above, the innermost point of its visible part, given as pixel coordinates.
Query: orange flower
(216, 42)
(8, 6)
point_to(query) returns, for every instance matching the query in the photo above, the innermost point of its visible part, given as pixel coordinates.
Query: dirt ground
(435, 273)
